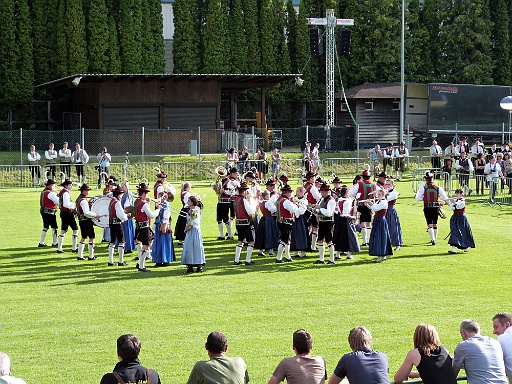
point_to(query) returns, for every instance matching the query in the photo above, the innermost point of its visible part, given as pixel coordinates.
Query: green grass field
(61, 317)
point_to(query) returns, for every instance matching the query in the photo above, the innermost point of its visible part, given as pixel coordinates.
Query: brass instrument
(221, 172)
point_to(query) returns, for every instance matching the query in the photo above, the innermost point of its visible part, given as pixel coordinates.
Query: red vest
(281, 210)
(431, 193)
(459, 211)
(264, 211)
(112, 208)
(381, 213)
(391, 202)
(61, 199)
(140, 215)
(225, 187)
(45, 202)
(78, 206)
(365, 188)
(311, 199)
(155, 188)
(240, 211)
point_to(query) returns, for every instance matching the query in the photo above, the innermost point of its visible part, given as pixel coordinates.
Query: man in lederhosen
(65, 160)
(143, 232)
(431, 194)
(85, 223)
(325, 215)
(49, 203)
(51, 158)
(388, 153)
(400, 154)
(244, 212)
(223, 207)
(363, 190)
(67, 212)
(80, 158)
(116, 217)
(313, 196)
(285, 212)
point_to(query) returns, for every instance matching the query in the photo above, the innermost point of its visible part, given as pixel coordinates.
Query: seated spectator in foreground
(6, 370)
(362, 365)
(480, 356)
(432, 360)
(502, 325)
(302, 368)
(220, 369)
(129, 370)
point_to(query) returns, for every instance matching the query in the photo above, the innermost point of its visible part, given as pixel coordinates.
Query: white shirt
(53, 197)
(329, 209)
(250, 209)
(379, 205)
(270, 204)
(493, 170)
(34, 156)
(66, 201)
(315, 193)
(436, 150)
(147, 210)
(303, 206)
(86, 210)
(457, 204)
(388, 155)
(398, 154)
(120, 214)
(346, 207)
(451, 151)
(65, 154)
(289, 206)
(80, 156)
(392, 195)
(476, 149)
(505, 339)
(50, 154)
(11, 380)
(104, 159)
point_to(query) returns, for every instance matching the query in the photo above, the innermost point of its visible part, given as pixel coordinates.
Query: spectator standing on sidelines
(80, 158)
(6, 371)
(129, 369)
(104, 160)
(220, 369)
(374, 155)
(315, 158)
(451, 153)
(65, 160)
(51, 158)
(401, 153)
(302, 368)
(33, 160)
(436, 152)
(464, 167)
(480, 356)
(502, 326)
(493, 172)
(388, 155)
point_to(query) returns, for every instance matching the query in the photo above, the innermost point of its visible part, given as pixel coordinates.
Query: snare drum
(100, 205)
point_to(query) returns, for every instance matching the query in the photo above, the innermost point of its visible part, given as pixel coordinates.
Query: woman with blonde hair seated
(433, 362)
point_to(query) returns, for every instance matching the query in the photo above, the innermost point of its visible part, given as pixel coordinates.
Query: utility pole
(330, 21)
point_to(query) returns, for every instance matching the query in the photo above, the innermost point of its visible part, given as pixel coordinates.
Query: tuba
(217, 185)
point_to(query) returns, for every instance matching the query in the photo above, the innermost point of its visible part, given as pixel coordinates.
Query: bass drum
(99, 205)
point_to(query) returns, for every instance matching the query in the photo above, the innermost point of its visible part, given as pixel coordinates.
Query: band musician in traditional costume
(285, 211)
(143, 232)
(461, 236)
(363, 191)
(300, 239)
(163, 248)
(181, 222)
(395, 229)
(324, 211)
(67, 211)
(380, 243)
(116, 217)
(224, 189)
(313, 196)
(245, 214)
(110, 185)
(159, 186)
(84, 221)
(128, 226)
(48, 202)
(431, 194)
(267, 233)
(344, 234)
(336, 190)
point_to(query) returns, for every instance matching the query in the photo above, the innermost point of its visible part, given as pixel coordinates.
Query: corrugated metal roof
(373, 91)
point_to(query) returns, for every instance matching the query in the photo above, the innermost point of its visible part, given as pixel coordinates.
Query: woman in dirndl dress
(395, 229)
(300, 239)
(380, 243)
(345, 235)
(193, 250)
(162, 252)
(461, 236)
(128, 227)
(267, 233)
(181, 222)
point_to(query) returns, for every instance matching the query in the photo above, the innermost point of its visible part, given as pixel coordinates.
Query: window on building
(368, 106)
(396, 105)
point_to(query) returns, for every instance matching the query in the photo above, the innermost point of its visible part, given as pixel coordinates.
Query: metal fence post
(142, 158)
(307, 133)
(21, 146)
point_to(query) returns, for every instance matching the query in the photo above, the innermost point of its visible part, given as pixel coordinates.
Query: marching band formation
(271, 218)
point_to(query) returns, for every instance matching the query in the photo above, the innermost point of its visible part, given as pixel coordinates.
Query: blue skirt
(267, 234)
(344, 236)
(380, 243)
(300, 237)
(163, 248)
(395, 230)
(129, 235)
(193, 249)
(461, 236)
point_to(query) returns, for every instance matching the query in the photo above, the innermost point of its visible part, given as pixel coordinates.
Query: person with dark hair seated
(220, 369)
(302, 368)
(129, 370)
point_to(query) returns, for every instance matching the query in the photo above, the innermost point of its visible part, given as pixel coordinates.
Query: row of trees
(44, 40)
(457, 41)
